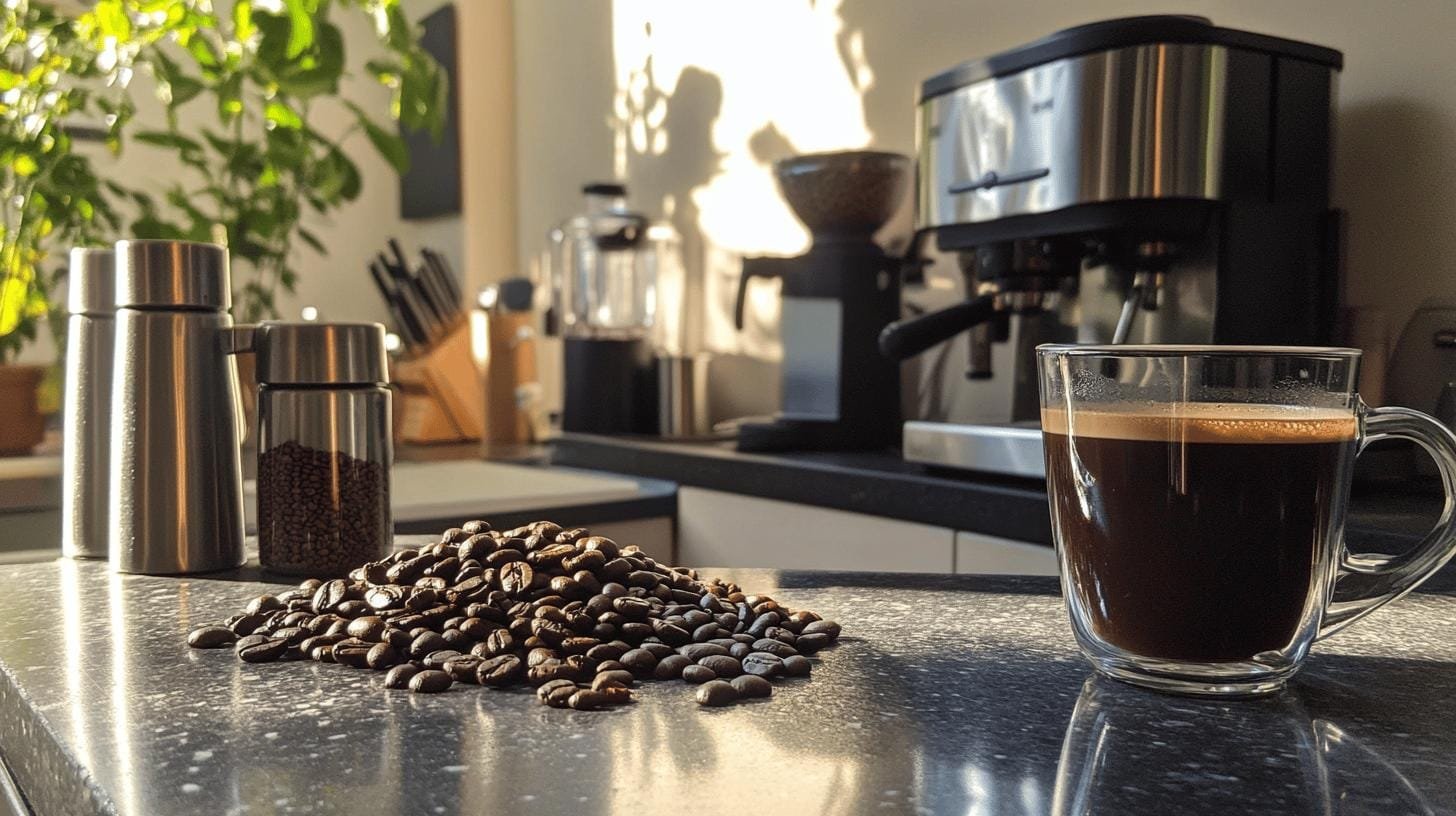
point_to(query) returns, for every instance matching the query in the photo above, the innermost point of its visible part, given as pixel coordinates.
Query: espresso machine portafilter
(1141, 180)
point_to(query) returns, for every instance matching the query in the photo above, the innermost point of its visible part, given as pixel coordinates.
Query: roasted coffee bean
(426, 643)
(245, 625)
(430, 681)
(369, 627)
(722, 665)
(353, 608)
(777, 647)
(763, 664)
(813, 642)
(550, 554)
(762, 623)
(260, 649)
(588, 560)
(615, 694)
(827, 627)
(353, 653)
(382, 656)
(797, 666)
(589, 700)
(263, 604)
(640, 662)
(716, 693)
(607, 547)
(516, 577)
(541, 654)
(399, 676)
(671, 667)
(291, 635)
(751, 685)
(672, 635)
(328, 596)
(546, 689)
(580, 609)
(211, 637)
(605, 651)
(618, 676)
(615, 570)
(500, 671)
(385, 597)
(698, 674)
(560, 696)
(698, 651)
(437, 659)
(462, 668)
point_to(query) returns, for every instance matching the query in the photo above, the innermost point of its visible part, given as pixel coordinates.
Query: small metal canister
(90, 344)
(324, 447)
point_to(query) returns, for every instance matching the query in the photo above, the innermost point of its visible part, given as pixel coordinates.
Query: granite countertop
(953, 694)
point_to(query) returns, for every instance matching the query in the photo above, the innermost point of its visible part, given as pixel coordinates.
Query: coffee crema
(1246, 424)
(1194, 532)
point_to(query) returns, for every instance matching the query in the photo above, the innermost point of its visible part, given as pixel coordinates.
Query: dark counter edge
(873, 483)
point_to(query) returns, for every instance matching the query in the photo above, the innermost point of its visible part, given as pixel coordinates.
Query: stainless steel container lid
(91, 281)
(321, 353)
(176, 274)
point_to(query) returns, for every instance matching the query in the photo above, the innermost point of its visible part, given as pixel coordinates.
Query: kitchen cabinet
(717, 529)
(979, 554)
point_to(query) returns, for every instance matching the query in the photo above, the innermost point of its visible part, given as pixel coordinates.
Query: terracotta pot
(21, 423)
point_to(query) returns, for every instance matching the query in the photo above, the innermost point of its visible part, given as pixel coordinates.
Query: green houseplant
(241, 94)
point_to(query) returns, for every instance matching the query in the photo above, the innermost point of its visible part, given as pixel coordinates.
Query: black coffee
(1196, 536)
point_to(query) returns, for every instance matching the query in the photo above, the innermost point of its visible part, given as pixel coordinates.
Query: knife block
(440, 398)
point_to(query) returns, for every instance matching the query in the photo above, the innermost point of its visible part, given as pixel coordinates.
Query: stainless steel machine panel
(1140, 122)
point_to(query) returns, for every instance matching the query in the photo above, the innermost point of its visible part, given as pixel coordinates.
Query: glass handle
(1367, 581)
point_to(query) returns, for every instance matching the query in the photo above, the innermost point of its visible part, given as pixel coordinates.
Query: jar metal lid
(91, 281)
(172, 274)
(321, 353)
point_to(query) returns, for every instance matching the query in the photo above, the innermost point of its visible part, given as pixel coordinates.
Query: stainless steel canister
(90, 344)
(176, 421)
(324, 447)
(682, 395)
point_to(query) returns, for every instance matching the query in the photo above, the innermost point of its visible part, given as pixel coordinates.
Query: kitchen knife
(431, 278)
(405, 323)
(410, 302)
(442, 266)
(414, 293)
(429, 289)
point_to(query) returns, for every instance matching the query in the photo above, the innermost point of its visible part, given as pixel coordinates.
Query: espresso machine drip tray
(1011, 450)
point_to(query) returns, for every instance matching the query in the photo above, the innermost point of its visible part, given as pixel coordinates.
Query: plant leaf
(281, 115)
(300, 31)
(389, 145)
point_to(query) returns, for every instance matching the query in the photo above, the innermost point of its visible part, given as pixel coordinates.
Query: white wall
(1396, 139)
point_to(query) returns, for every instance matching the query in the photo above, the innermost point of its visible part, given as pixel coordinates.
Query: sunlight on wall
(708, 95)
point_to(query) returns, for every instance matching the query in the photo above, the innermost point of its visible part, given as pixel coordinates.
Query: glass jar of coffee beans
(324, 447)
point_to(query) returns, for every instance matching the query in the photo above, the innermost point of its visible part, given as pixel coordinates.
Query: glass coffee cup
(1198, 498)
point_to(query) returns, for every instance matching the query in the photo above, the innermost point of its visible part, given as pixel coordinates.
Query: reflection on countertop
(947, 694)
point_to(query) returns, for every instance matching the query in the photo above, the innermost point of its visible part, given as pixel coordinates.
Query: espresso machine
(1140, 180)
(838, 393)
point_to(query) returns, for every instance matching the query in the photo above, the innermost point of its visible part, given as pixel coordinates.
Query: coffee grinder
(1140, 180)
(838, 392)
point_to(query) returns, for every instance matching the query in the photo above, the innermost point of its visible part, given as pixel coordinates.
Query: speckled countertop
(948, 695)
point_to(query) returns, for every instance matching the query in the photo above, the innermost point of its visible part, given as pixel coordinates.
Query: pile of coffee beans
(575, 615)
(320, 512)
